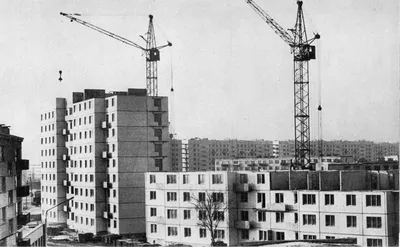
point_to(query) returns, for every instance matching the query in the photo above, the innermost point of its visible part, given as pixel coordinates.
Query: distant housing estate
(202, 153)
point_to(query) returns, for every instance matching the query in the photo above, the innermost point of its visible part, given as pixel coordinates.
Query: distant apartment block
(267, 164)
(204, 152)
(97, 149)
(275, 205)
(176, 155)
(11, 189)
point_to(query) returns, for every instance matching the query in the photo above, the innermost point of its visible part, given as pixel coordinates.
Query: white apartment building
(97, 149)
(276, 205)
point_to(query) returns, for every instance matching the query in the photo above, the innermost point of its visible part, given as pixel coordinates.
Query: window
(262, 216)
(171, 213)
(187, 232)
(186, 196)
(202, 197)
(330, 237)
(200, 179)
(373, 200)
(372, 242)
(260, 178)
(203, 232)
(171, 196)
(280, 236)
(152, 179)
(306, 237)
(186, 214)
(219, 215)
(172, 231)
(152, 195)
(153, 211)
(202, 215)
(171, 179)
(279, 217)
(329, 199)
(351, 221)
(245, 234)
(262, 235)
(220, 234)
(185, 179)
(244, 215)
(218, 197)
(350, 200)
(374, 222)
(329, 220)
(309, 219)
(217, 179)
(279, 198)
(243, 178)
(243, 197)
(308, 199)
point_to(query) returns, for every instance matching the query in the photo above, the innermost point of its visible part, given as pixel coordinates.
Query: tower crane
(151, 50)
(303, 52)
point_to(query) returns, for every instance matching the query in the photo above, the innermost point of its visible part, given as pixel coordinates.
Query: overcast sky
(232, 75)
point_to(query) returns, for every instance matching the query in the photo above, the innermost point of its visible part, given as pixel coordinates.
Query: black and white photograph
(198, 123)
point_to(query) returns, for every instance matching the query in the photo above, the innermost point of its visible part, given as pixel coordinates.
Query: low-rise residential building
(31, 235)
(275, 205)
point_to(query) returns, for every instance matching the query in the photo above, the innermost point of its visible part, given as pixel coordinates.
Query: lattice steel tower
(303, 52)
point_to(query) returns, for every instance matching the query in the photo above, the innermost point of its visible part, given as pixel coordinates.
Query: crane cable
(319, 88)
(172, 96)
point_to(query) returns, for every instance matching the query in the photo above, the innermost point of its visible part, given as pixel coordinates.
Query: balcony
(105, 125)
(107, 215)
(241, 224)
(66, 157)
(23, 219)
(276, 207)
(238, 187)
(66, 209)
(107, 185)
(106, 155)
(66, 182)
(22, 164)
(65, 132)
(23, 191)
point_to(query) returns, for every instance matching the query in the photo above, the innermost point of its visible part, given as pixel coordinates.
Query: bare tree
(211, 208)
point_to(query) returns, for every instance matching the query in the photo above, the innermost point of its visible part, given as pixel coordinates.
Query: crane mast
(152, 51)
(303, 52)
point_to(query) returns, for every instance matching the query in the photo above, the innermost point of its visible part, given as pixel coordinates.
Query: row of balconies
(242, 224)
(104, 155)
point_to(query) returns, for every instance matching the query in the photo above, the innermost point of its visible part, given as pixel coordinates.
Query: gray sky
(232, 74)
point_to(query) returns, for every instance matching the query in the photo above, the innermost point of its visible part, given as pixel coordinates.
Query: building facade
(12, 191)
(204, 152)
(97, 152)
(276, 205)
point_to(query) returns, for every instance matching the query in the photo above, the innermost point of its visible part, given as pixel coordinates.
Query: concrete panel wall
(353, 180)
(132, 180)
(279, 180)
(329, 180)
(298, 180)
(126, 195)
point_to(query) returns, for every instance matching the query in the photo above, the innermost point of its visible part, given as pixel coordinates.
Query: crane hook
(60, 79)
